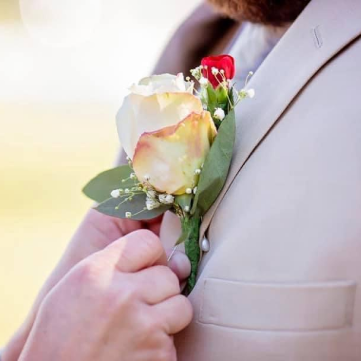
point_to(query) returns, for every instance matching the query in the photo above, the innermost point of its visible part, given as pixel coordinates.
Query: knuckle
(129, 295)
(184, 307)
(87, 272)
(128, 291)
(149, 241)
(150, 326)
(112, 299)
(167, 275)
(153, 334)
(118, 300)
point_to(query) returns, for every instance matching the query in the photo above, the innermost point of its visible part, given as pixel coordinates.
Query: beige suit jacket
(282, 279)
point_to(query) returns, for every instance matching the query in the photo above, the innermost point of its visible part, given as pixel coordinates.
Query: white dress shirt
(252, 45)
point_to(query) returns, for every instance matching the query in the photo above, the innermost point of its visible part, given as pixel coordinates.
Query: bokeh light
(62, 78)
(61, 23)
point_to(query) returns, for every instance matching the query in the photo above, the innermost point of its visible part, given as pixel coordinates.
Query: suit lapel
(323, 29)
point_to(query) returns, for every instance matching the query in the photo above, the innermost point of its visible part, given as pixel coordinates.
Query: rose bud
(218, 68)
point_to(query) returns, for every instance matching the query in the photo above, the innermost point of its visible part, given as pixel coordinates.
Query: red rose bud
(221, 63)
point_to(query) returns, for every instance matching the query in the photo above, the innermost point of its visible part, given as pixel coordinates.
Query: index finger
(136, 251)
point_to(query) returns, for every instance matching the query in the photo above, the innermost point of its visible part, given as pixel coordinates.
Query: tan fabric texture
(282, 278)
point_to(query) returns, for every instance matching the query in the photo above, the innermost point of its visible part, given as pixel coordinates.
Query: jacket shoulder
(197, 37)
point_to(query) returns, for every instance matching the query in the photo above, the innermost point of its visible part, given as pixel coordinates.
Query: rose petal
(164, 83)
(140, 114)
(171, 155)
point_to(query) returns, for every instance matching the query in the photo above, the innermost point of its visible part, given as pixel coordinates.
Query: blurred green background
(64, 68)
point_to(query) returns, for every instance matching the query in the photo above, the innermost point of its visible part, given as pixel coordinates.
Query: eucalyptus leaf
(99, 188)
(184, 201)
(216, 166)
(183, 237)
(119, 207)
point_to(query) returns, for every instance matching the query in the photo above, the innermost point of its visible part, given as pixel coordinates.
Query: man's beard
(275, 12)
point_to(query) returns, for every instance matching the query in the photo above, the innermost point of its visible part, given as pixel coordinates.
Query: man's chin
(274, 12)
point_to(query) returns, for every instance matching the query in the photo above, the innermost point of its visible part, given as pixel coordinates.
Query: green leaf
(222, 96)
(118, 207)
(99, 188)
(216, 166)
(217, 98)
(212, 99)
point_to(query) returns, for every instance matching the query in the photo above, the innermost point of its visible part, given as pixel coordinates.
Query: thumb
(179, 263)
(136, 251)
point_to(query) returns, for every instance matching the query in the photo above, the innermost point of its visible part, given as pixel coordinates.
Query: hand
(96, 232)
(120, 303)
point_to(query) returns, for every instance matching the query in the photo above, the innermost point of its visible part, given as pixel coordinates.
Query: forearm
(12, 351)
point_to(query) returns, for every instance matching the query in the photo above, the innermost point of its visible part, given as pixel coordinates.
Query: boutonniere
(179, 141)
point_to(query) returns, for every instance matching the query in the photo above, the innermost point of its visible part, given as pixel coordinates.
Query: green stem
(190, 227)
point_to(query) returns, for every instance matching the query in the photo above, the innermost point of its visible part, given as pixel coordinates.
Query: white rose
(164, 83)
(154, 103)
